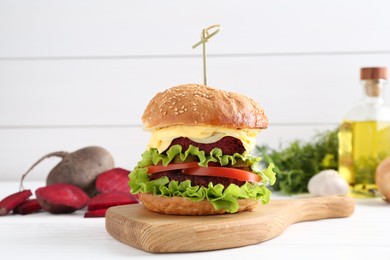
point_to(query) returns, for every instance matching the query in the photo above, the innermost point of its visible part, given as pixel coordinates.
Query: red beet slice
(61, 198)
(114, 180)
(106, 200)
(95, 213)
(12, 201)
(28, 207)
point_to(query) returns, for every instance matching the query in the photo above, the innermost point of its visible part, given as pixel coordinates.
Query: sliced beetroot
(28, 207)
(12, 201)
(95, 213)
(114, 180)
(106, 200)
(61, 198)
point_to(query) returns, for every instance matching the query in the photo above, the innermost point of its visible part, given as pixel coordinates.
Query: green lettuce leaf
(219, 196)
(153, 157)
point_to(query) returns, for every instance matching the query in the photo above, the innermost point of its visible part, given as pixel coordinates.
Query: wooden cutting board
(152, 232)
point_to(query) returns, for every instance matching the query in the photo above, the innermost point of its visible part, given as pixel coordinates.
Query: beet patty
(229, 145)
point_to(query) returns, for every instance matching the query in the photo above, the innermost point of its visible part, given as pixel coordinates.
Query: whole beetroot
(79, 168)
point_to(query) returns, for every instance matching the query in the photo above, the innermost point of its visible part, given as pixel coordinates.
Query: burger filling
(221, 172)
(162, 138)
(195, 180)
(229, 145)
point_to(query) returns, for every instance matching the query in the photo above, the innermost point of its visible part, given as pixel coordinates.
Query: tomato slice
(192, 168)
(173, 166)
(233, 173)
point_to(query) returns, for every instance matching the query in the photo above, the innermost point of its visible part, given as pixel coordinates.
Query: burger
(198, 160)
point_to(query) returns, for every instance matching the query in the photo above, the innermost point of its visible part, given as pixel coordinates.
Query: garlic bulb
(327, 182)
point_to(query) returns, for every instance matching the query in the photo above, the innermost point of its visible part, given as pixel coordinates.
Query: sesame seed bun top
(194, 104)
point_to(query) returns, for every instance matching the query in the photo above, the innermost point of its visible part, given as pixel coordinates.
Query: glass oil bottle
(364, 135)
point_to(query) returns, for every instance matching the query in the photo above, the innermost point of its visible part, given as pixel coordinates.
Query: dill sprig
(296, 163)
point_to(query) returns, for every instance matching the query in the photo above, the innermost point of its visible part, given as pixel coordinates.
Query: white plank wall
(77, 73)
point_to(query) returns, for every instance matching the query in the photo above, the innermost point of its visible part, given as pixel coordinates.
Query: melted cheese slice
(162, 138)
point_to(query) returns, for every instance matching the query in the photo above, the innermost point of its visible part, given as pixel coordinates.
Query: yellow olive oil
(362, 145)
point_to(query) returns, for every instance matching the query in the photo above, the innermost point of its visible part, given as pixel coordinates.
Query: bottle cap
(373, 73)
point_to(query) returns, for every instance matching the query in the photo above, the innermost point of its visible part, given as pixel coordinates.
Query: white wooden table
(364, 235)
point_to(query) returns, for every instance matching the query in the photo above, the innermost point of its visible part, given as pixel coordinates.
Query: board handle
(321, 208)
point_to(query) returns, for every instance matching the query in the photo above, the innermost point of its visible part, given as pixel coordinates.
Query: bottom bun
(184, 206)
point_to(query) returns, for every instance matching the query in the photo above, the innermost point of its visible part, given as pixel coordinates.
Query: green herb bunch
(296, 163)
